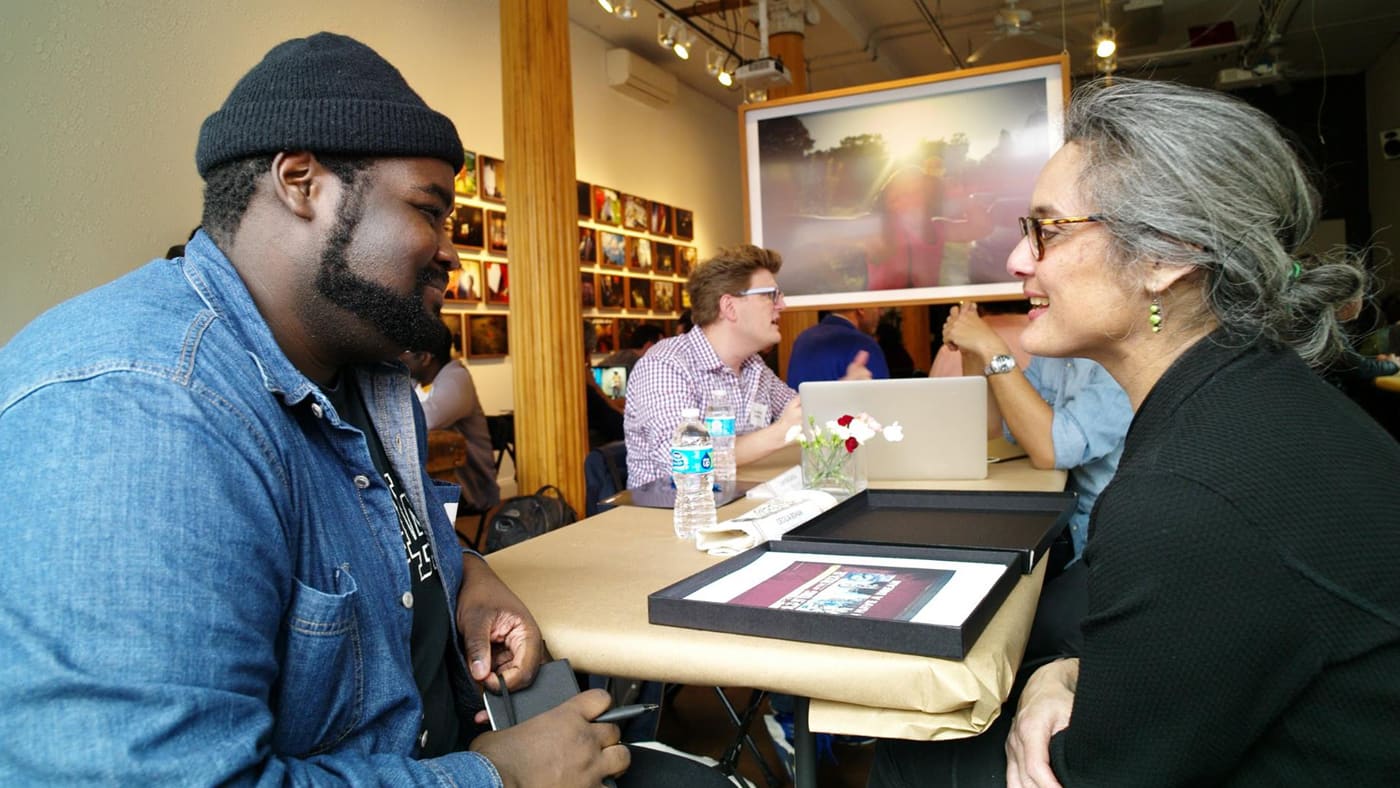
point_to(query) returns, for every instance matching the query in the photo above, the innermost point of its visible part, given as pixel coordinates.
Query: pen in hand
(624, 713)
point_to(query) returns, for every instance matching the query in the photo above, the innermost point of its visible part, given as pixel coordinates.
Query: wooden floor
(695, 721)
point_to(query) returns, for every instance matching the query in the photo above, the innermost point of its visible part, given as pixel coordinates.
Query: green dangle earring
(1154, 314)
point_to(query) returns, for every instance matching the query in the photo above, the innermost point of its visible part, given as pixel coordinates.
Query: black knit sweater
(1244, 624)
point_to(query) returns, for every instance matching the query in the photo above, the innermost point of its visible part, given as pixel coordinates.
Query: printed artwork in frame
(464, 184)
(464, 284)
(497, 278)
(639, 253)
(665, 259)
(468, 226)
(660, 219)
(638, 293)
(901, 192)
(604, 334)
(663, 296)
(685, 297)
(685, 225)
(588, 286)
(636, 213)
(585, 200)
(587, 245)
(497, 239)
(612, 291)
(607, 206)
(686, 257)
(488, 335)
(493, 179)
(613, 249)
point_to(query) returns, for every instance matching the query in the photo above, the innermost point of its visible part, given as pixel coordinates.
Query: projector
(1240, 78)
(768, 71)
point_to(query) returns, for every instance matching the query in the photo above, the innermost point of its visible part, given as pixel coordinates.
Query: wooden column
(791, 323)
(546, 322)
(790, 47)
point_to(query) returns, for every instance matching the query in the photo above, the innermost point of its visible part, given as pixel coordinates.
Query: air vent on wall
(633, 76)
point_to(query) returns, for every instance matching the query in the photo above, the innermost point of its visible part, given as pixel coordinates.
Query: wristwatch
(1000, 365)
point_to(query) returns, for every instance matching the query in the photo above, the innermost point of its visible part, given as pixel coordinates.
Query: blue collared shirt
(1092, 414)
(204, 580)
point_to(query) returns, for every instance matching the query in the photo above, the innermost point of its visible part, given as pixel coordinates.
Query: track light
(684, 41)
(621, 10)
(726, 78)
(607, 6)
(666, 31)
(1105, 41)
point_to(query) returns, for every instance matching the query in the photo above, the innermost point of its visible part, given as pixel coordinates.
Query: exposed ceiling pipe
(938, 31)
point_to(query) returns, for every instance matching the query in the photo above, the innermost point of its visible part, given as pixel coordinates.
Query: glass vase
(833, 469)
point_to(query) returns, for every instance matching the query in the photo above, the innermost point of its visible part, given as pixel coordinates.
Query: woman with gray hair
(1244, 603)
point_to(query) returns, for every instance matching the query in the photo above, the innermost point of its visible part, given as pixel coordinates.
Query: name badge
(758, 415)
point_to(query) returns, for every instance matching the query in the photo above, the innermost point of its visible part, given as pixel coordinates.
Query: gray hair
(1186, 176)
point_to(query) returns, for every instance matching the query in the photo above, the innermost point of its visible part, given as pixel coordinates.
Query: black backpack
(527, 516)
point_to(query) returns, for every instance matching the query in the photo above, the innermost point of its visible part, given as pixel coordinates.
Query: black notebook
(554, 683)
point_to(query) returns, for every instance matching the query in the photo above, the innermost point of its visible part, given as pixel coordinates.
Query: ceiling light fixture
(626, 10)
(666, 31)
(607, 6)
(1105, 41)
(684, 41)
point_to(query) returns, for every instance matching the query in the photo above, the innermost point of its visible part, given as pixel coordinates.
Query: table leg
(804, 745)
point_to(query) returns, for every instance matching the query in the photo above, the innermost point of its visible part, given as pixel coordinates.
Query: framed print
(464, 284)
(685, 225)
(587, 245)
(488, 336)
(455, 322)
(685, 297)
(663, 296)
(638, 293)
(660, 219)
(901, 192)
(497, 279)
(612, 291)
(585, 200)
(497, 241)
(468, 229)
(493, 179)
(636, 213)
(685, 260)
(665, 258)
(639, 253)
(614, 249)
(604, 334)
(607, 206)
(589, 288)
(464, 184)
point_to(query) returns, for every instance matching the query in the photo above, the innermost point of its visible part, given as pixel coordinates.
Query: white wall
(1383, 112)
(103, 103)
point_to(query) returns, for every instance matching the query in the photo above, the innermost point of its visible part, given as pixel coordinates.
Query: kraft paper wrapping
(587, 585)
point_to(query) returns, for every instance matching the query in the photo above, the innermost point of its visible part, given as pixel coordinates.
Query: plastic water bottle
(691, 466)
(719, 420)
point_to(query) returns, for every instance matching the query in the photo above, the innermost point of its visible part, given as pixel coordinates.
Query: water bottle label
(695, 460)
(720, 426)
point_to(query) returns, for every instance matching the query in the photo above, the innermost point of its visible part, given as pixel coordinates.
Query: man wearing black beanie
(265, 586)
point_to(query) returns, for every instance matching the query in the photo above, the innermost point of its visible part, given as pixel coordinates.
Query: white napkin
(767, 521)
(788, 481)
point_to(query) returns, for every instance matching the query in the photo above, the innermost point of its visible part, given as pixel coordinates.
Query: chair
(605, 475)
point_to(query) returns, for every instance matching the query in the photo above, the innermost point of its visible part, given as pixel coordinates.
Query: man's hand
(500, 634)
(1044, 710)
(791, 415)
(965, 331)
(857, 370)
(559, 747)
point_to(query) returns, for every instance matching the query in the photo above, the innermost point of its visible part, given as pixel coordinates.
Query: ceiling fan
(1012, 22)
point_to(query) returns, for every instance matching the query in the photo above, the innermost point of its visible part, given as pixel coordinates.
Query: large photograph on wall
(901, 192)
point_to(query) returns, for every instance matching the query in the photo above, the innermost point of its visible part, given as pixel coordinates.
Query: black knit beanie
(325, 94)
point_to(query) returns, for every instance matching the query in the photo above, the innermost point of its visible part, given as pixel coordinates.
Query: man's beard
(402, 319)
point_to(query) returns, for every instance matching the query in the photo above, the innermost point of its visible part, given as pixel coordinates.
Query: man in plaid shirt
(735, 305)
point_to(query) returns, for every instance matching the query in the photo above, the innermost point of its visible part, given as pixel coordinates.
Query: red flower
(851, 443)
(845, 421)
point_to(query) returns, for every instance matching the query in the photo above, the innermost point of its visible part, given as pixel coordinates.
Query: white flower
(893, 433)
(794, 432)
(861, 430)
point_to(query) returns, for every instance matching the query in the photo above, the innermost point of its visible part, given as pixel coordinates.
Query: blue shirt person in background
(824, 351)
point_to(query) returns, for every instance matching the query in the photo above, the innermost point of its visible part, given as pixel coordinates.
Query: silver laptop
(944, 420)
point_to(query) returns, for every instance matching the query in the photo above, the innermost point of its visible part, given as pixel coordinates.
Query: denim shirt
(1091, 419)
(203, 579)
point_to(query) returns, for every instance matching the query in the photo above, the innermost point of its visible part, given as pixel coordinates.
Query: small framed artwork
(604, 335)
(660, 219)
(493, 179)
(636, 213)
(685, 260)
(488, 336)
(585, 201)
(607, 206)
(464, 184)
(455, 322)
(663, 296)
(497, 282)
(497, 241)
(467, 226)
(614, 249)
(612, 291)
(685, 225)
(464, 284)
(587, 245)
(589, 288)
(685, 297)
(665, 258)
(639, 257)
(638, 293)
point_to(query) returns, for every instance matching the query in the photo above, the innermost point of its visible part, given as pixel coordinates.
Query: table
(587, 585)
(1388, 382)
